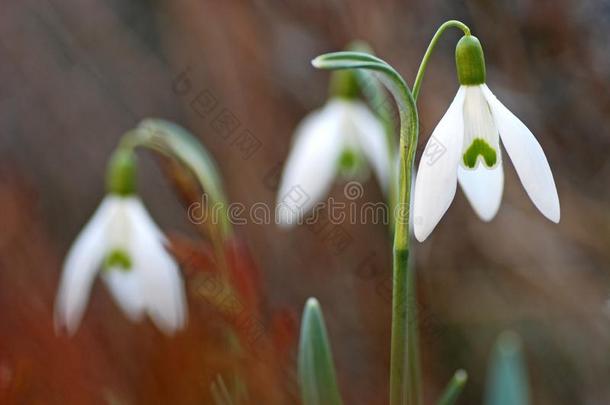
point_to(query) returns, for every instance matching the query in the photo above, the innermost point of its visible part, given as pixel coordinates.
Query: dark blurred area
(75, 75)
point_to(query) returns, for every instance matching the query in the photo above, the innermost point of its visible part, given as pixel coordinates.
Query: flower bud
(469, 61)
(344, 84)
(121, 174)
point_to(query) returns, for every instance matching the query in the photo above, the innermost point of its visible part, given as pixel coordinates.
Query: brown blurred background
(76, 74)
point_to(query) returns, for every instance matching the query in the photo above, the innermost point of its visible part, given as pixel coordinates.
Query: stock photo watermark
(295, 206)
(223, 122)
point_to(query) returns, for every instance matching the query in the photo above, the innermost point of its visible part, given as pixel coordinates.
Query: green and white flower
(342, 138)
(123, 243)
(465, 148)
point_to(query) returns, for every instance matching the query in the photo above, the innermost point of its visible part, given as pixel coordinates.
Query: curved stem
(376, 95)
(171, 140)
(424, 62)
(404, 357)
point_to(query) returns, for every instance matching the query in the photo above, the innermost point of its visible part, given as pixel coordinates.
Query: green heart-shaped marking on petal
(480, 147)
(117, 259)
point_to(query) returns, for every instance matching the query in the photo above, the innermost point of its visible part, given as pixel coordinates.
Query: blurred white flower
(343, 137)
(124, 243)
(465, 148)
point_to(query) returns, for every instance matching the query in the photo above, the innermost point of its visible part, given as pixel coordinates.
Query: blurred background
(76, 74)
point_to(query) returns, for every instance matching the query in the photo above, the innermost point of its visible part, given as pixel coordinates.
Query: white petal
(437, 174)
(483, 188)
(138, 214)
(311, 165)
(161, 284)
(527, 157)
(372, 141)
(125, 289)
(479, 127)
(81, 265)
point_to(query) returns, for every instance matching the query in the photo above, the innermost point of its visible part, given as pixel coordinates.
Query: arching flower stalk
(465, 147)
(124, 245)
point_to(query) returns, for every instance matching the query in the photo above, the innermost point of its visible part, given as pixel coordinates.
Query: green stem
(376, 95)
(177, 143)
(424, 62)
(404, 364)
(404, 357)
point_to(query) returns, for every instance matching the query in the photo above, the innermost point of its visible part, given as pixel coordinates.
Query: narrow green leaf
(454, 388)
(507, 382)
(316, 366)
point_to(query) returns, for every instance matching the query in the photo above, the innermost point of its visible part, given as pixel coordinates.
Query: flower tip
(317, 62)
(487, 216)
(285, 224)
(552, 212)
(286, 217)
(555, 216)
(420, 234)
(62, 327)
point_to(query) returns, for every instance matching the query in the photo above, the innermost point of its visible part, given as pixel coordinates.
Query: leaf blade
(315, 365)
(507, 382)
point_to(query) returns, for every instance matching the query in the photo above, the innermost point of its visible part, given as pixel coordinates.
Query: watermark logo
(434, 151)
(353, 190)
(296, 207)
(222, 121)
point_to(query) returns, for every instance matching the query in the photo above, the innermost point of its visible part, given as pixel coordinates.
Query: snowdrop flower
(465, 148)
(344, 137)
(124, 245)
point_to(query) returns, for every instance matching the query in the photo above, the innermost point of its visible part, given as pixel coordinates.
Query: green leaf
(454, 388)
(507, 382)
(316, 367)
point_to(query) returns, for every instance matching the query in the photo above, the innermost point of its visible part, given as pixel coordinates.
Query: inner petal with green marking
(117, 259)
(479, 147)
(351, 163)
(481, 138)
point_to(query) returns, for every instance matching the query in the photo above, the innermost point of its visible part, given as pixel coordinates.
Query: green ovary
(117, 259)
(476, 148)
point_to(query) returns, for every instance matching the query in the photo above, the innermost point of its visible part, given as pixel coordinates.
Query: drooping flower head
(124, 245)
(464, 148)
(344, 137)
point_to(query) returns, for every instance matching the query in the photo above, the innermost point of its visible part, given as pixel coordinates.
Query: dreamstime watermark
(296, 207)
(434, 151)
(222, 121)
